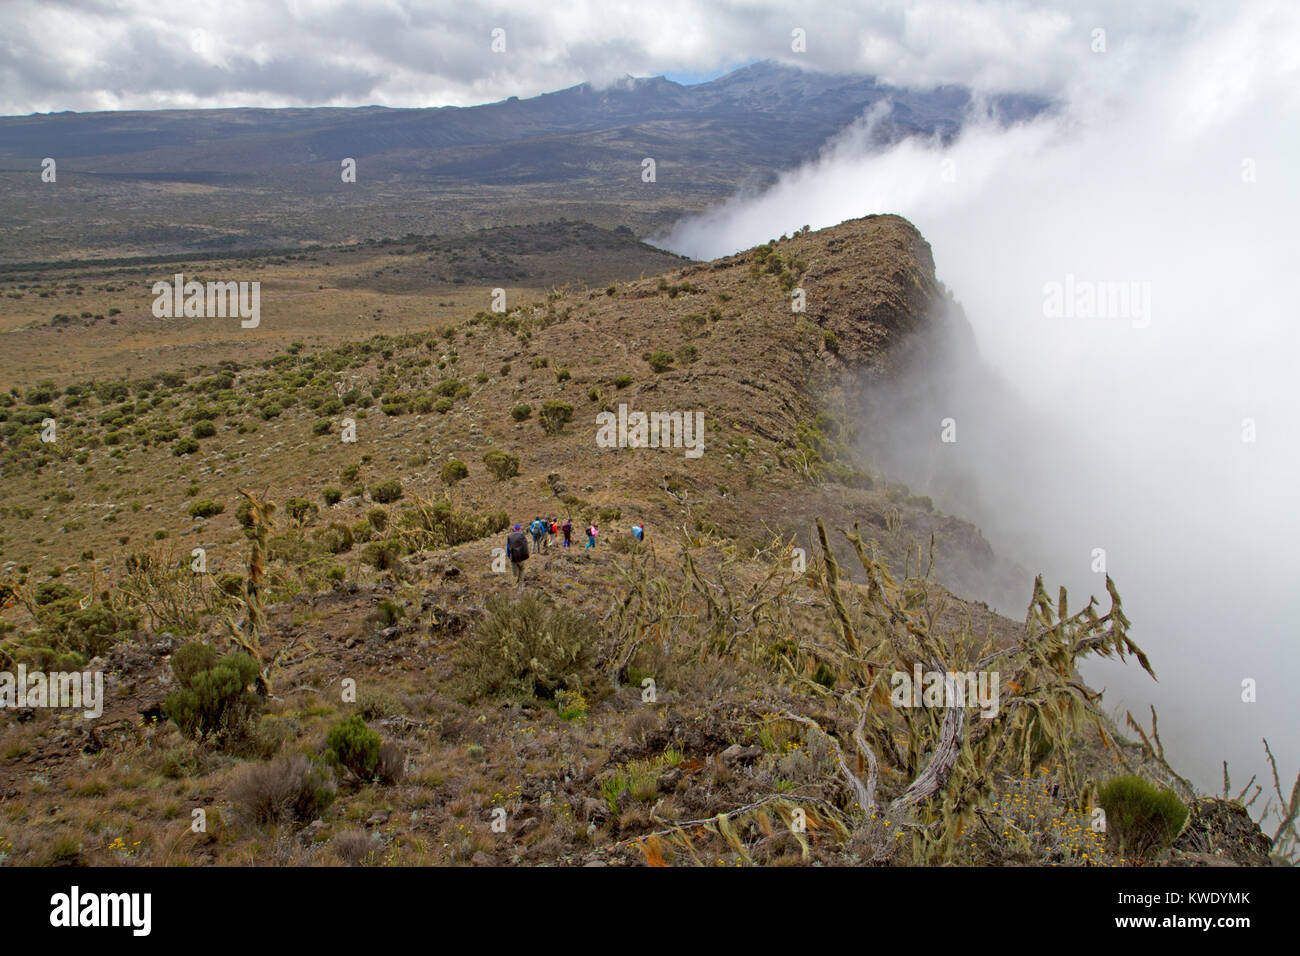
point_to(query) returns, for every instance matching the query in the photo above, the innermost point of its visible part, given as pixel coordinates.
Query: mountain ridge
(381, 564)
(258, 178)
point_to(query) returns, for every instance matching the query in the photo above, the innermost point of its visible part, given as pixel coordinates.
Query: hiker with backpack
(638, 532)
(537, 529)
(552, 531)
(592, 531)
(517, 551)
(567, 530)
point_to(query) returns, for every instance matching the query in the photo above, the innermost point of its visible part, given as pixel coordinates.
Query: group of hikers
(545, 532)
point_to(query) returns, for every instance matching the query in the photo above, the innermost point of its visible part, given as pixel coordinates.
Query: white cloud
(1138, 440)
(137, 54)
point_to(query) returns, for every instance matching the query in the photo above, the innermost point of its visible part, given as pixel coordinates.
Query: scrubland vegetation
(312, 641)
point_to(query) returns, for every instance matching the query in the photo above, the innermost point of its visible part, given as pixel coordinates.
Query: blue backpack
(537, 528)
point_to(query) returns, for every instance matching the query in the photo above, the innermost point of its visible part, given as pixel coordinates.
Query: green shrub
(521, 413)
(622, 381)
(185, 446)
(41, 394)
(299, 509)
(386, 614)
(378, 518)
(335, 538)
(502, 464)
(214, 700)
(1141, 820)
(554, 416)
(692, 324)
(230, 583)
(443, 526)
(376, 703)
(331, 496)
(452, 471)
(354, 746)
(206, 508)
(48, 592)
(660, 361)
(67, 628)
(382, 555)
(387, 491)
(204, 429)
(528, 647)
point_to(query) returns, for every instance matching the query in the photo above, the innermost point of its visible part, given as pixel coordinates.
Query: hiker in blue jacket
(537, 529)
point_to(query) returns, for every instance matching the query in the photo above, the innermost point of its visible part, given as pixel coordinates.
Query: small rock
(311, 831)
(739, 754)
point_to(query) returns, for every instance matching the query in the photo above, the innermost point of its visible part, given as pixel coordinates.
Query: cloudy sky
(142, 54)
